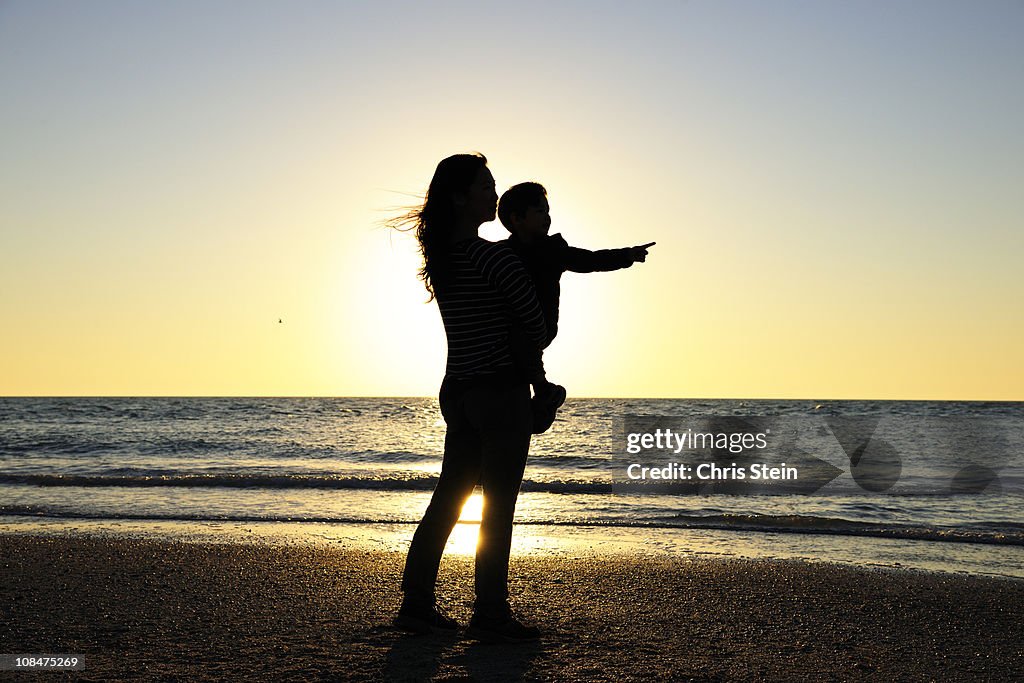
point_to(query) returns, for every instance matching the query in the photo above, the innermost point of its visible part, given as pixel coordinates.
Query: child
(523, 210)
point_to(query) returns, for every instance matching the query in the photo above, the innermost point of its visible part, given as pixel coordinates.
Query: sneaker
(503, 628)
(545, 406)
(423, 618)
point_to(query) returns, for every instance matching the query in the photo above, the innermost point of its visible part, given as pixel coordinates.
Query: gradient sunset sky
(835, 189)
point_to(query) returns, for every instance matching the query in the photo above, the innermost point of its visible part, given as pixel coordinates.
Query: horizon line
(434, 397)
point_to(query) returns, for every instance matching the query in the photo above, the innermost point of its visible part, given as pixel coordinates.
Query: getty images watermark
(819, 454)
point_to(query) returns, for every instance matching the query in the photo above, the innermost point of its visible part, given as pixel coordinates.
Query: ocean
(360, 471)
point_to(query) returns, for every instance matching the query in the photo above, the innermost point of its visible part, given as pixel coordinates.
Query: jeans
(487, 441)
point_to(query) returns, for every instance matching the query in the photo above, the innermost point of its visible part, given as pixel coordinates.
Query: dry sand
(185, 611)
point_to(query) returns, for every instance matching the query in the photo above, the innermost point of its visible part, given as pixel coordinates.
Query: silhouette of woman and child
(499, 306)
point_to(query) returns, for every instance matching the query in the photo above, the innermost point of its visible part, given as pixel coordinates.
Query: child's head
(523, 210)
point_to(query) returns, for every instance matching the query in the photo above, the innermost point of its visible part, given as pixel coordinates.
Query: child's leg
(547, 397)
(528, 360)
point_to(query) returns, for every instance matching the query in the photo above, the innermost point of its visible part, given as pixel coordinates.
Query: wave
(86, 445)
(268, 443)
(150, 478)
(257, 481)
(1010, 535)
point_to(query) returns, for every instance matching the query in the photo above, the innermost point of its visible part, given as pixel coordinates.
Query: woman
(480, 287)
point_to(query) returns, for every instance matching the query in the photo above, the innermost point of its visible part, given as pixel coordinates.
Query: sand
(143, 609)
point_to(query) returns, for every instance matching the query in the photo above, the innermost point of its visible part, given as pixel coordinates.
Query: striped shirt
(484, 291)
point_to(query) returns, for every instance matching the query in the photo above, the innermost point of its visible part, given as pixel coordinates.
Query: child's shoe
(545, 405)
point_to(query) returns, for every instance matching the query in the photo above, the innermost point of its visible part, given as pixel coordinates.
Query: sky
(834, 189)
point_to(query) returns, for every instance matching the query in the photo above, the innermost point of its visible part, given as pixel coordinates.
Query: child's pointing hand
(639, 254)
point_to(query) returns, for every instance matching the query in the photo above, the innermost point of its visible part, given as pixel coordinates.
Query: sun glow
(473, 509)
(464, 536)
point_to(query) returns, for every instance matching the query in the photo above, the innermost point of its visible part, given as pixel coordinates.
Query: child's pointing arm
(640, 253)
(584, 261)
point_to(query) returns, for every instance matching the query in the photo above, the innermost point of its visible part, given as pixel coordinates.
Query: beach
(147, 609)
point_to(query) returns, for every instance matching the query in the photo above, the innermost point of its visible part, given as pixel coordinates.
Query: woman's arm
(504, 271)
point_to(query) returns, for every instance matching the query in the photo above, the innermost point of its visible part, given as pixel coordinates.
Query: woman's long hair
(433, 222)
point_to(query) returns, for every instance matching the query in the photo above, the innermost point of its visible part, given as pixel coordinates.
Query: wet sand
(141, 609)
